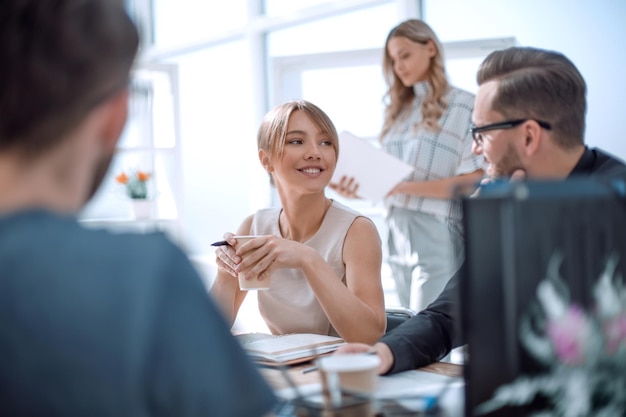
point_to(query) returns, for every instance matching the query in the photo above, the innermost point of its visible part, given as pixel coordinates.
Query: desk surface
(278, 382)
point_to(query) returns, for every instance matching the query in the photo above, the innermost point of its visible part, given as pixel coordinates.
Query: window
(149, 143)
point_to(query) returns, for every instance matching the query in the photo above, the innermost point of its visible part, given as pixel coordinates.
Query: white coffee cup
(252, 283)
(357, 373)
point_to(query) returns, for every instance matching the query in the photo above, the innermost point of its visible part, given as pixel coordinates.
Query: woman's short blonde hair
(273, 130)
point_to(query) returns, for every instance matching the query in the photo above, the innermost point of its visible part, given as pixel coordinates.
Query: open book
(287, 348)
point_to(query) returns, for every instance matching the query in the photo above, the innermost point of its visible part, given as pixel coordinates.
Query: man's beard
(508, 164)
(98, 176)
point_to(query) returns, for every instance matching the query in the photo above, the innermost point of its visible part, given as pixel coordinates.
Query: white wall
(220, 107)
(591, 33)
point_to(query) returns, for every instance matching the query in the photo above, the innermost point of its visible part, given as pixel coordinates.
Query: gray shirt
(101, 324)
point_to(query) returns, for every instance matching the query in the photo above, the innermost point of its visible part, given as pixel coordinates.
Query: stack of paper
(288, 348)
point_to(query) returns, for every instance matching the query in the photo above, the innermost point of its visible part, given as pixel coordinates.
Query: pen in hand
(236, 237)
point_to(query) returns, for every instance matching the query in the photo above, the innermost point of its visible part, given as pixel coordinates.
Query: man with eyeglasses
(528, 122)
(529, 118)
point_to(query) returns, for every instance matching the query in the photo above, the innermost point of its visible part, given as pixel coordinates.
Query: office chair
(396, 316)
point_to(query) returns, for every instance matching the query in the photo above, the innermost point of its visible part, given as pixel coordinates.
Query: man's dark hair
(58, 60)
(540, 84)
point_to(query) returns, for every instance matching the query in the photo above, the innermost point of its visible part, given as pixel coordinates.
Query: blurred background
(209, 70)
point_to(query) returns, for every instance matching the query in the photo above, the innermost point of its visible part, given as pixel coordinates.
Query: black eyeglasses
(476, 130)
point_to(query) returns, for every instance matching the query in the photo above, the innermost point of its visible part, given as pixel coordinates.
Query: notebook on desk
(512, 233)
(287, 349)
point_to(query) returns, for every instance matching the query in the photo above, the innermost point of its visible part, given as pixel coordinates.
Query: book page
(373, 169)
(246, 338)
(286, 348)
(289, 343)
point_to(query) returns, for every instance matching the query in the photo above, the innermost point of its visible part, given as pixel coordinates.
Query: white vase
(141, 209)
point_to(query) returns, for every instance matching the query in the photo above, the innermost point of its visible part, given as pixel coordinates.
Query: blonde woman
(322, 258)
(427, 125)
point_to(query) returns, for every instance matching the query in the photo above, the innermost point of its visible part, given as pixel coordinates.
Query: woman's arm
(360, 311)
(225, 290)
(442, 189)
(422, 339)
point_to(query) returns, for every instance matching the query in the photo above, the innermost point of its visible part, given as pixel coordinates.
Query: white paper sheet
(412, 383)
(448, 391)
(373, 169)
(400, 386)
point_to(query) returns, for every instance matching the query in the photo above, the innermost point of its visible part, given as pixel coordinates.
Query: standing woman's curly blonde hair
(398, 97)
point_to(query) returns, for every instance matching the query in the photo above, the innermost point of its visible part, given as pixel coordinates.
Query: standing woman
(426, 125)
(322, 258)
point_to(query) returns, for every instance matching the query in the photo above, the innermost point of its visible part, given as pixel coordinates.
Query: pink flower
(615, 332)
(569, 334)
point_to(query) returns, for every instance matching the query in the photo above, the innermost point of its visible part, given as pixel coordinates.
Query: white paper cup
(253, 283)
(357, 372)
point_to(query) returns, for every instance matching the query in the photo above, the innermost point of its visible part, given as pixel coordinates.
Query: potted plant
(136, 187)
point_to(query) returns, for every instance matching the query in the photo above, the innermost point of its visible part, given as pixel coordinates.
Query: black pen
(225, 243)
(310, 369)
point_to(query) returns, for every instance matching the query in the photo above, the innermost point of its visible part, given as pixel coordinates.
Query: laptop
(512, 232)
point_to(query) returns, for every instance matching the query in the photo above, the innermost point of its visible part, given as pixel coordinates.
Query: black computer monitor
(512, 230)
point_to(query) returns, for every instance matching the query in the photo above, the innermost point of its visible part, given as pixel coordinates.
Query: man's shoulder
(607, 165)
(58, 240)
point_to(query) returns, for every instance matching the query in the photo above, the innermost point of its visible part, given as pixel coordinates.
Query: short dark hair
(60, 58)
(540, 84)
